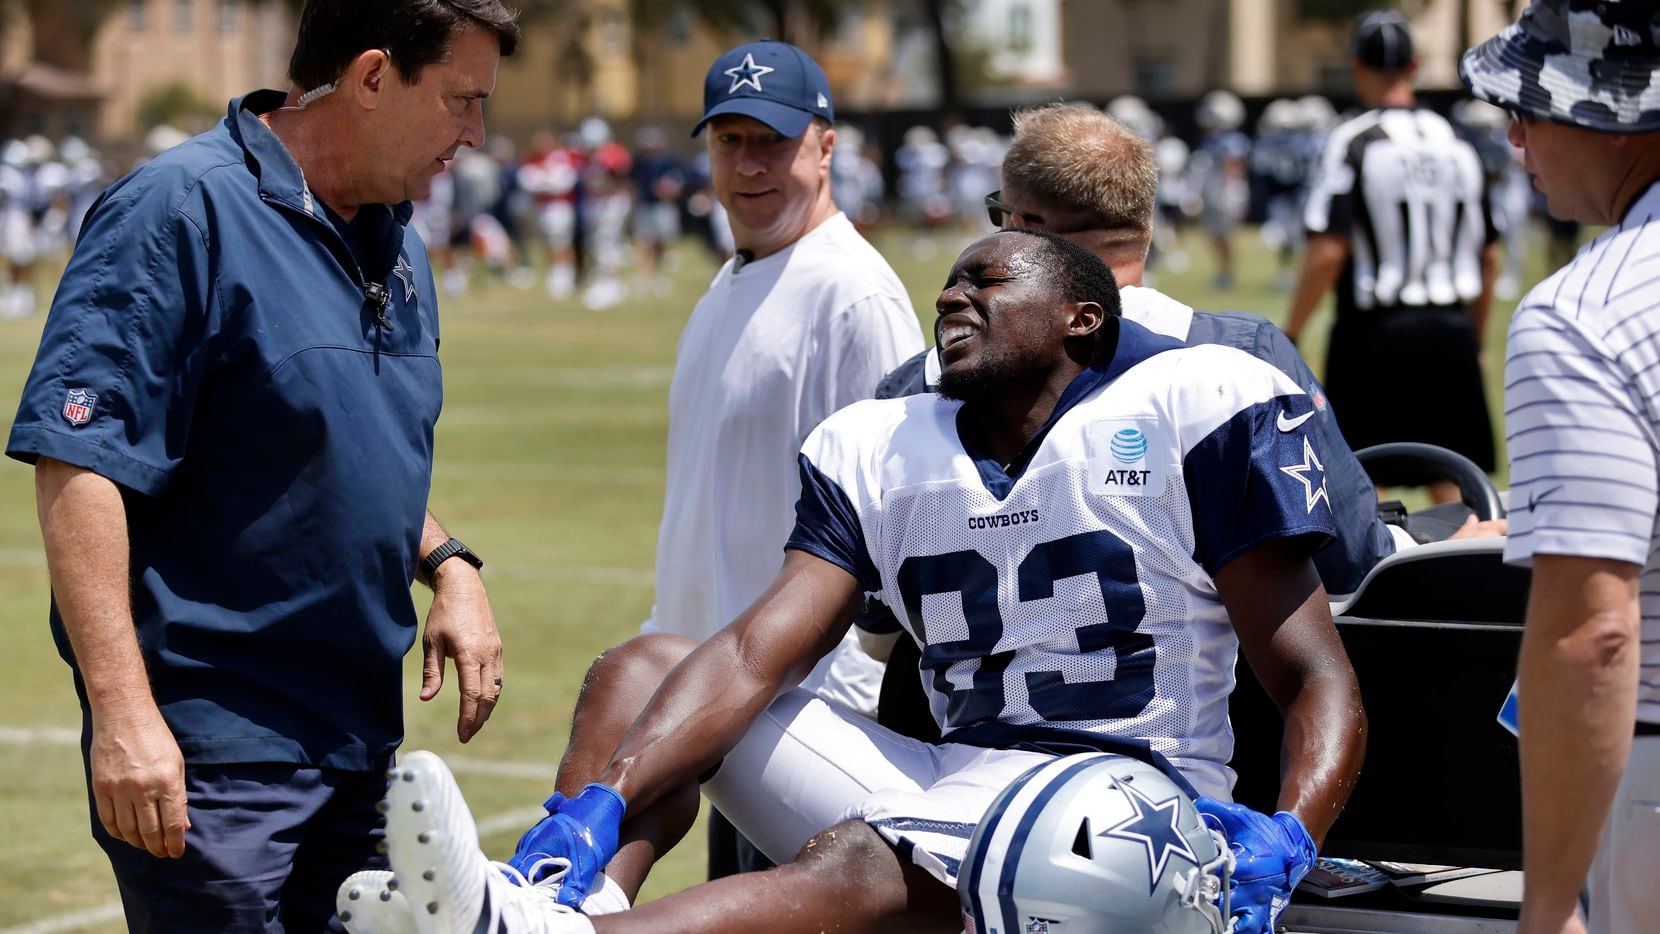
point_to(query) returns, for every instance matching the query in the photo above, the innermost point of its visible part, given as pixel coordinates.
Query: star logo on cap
(747, 73)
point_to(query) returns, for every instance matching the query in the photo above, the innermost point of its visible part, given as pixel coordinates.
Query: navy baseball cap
(1383, 41)
(774, 82)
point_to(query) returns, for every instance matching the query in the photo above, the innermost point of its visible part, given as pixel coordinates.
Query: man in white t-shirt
(1582, 380)
(806, 319)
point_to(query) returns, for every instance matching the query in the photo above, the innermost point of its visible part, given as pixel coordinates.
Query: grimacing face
(999, 318)
(769, 183)
(426, 122)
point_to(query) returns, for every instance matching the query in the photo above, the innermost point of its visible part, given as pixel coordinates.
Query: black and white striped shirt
(1409, 195)
(1582, 412)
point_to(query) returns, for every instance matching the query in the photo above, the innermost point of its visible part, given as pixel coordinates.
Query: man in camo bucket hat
(1581, 80)
(1590, 64)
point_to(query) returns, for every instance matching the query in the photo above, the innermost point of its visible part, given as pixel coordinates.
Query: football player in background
(1082, 529)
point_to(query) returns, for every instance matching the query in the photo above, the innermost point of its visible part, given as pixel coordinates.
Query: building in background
(181, 60)
(1165, 49)
(633, 62)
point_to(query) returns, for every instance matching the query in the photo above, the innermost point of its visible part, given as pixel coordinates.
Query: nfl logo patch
(1037, 926)
(77, 407)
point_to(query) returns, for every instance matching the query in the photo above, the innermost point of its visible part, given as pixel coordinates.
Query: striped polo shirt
(1582, 412)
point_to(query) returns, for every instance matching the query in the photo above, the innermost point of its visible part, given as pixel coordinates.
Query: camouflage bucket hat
(1590, 63)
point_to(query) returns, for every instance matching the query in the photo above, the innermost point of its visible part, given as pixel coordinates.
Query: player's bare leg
(846, 878)
(617, 688)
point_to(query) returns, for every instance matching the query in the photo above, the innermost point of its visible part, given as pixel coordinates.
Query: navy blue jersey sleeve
(125, 346)
(1362, 537)
(1258, 478)
(877, 619)
(827, 525)
(907, 379)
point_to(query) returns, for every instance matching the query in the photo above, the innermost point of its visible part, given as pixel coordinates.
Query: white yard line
(19, 558)
(543, 771)
(579, 574)
(460, 765)
(73, 921)
(40, 736)
(22, 558)
(517, 819)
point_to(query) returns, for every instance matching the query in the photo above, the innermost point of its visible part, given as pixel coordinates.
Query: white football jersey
(1069, 602)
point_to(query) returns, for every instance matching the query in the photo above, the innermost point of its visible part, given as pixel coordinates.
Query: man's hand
(460, 626)
(138, 780)
(583, 830)
(1272, 854)
(1481, 529)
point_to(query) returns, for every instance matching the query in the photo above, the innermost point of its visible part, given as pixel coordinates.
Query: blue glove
(583, 830)
(1272, 854)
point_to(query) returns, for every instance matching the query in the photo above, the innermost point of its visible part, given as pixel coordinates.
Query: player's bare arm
(460, 627)
(137, 769)
(707, 702)
(1578, 673)
(1285, 629)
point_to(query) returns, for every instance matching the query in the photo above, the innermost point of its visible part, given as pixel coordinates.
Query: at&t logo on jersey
(1124, 458)
(1129, 446)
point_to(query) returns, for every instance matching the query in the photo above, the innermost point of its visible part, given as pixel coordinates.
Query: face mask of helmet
(1092, 844)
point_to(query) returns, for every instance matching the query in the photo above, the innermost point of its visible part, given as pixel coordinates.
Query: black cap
(1383, 41)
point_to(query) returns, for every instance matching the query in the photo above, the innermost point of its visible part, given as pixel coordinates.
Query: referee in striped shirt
(1398, 223)
(1581, 79)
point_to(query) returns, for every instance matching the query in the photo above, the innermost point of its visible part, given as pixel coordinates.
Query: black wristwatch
(452, 548)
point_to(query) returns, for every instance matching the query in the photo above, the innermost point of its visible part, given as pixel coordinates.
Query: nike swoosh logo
(1534, 500)
(1292, 424)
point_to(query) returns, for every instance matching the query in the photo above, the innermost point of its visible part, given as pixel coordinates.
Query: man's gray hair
(1076, 155)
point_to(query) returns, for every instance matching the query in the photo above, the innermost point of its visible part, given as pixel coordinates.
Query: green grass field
(550, 464)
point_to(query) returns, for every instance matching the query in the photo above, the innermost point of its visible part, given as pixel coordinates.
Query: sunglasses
(997, 209)
(1001, 211)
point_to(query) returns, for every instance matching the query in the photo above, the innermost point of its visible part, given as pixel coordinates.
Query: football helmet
(1221, 110)
(1094, 844)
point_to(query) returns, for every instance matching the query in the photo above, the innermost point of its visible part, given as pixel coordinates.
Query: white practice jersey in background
(1073, 605)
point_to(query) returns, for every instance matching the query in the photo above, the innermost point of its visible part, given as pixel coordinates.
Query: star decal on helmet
(747, 73)
(1154, 826)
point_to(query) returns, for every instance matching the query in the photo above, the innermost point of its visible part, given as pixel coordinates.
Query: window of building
(138, 18)
(1020, 27)
(184, 15)
(1335, 79)
(1155, 77)
(613, 30)
(679, 26)
(229, 15)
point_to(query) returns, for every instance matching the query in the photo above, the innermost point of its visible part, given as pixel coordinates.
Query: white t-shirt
(1582, 417)
(772, 349)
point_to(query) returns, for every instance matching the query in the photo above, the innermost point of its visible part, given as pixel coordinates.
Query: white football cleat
(451, 887)
(369, 902)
